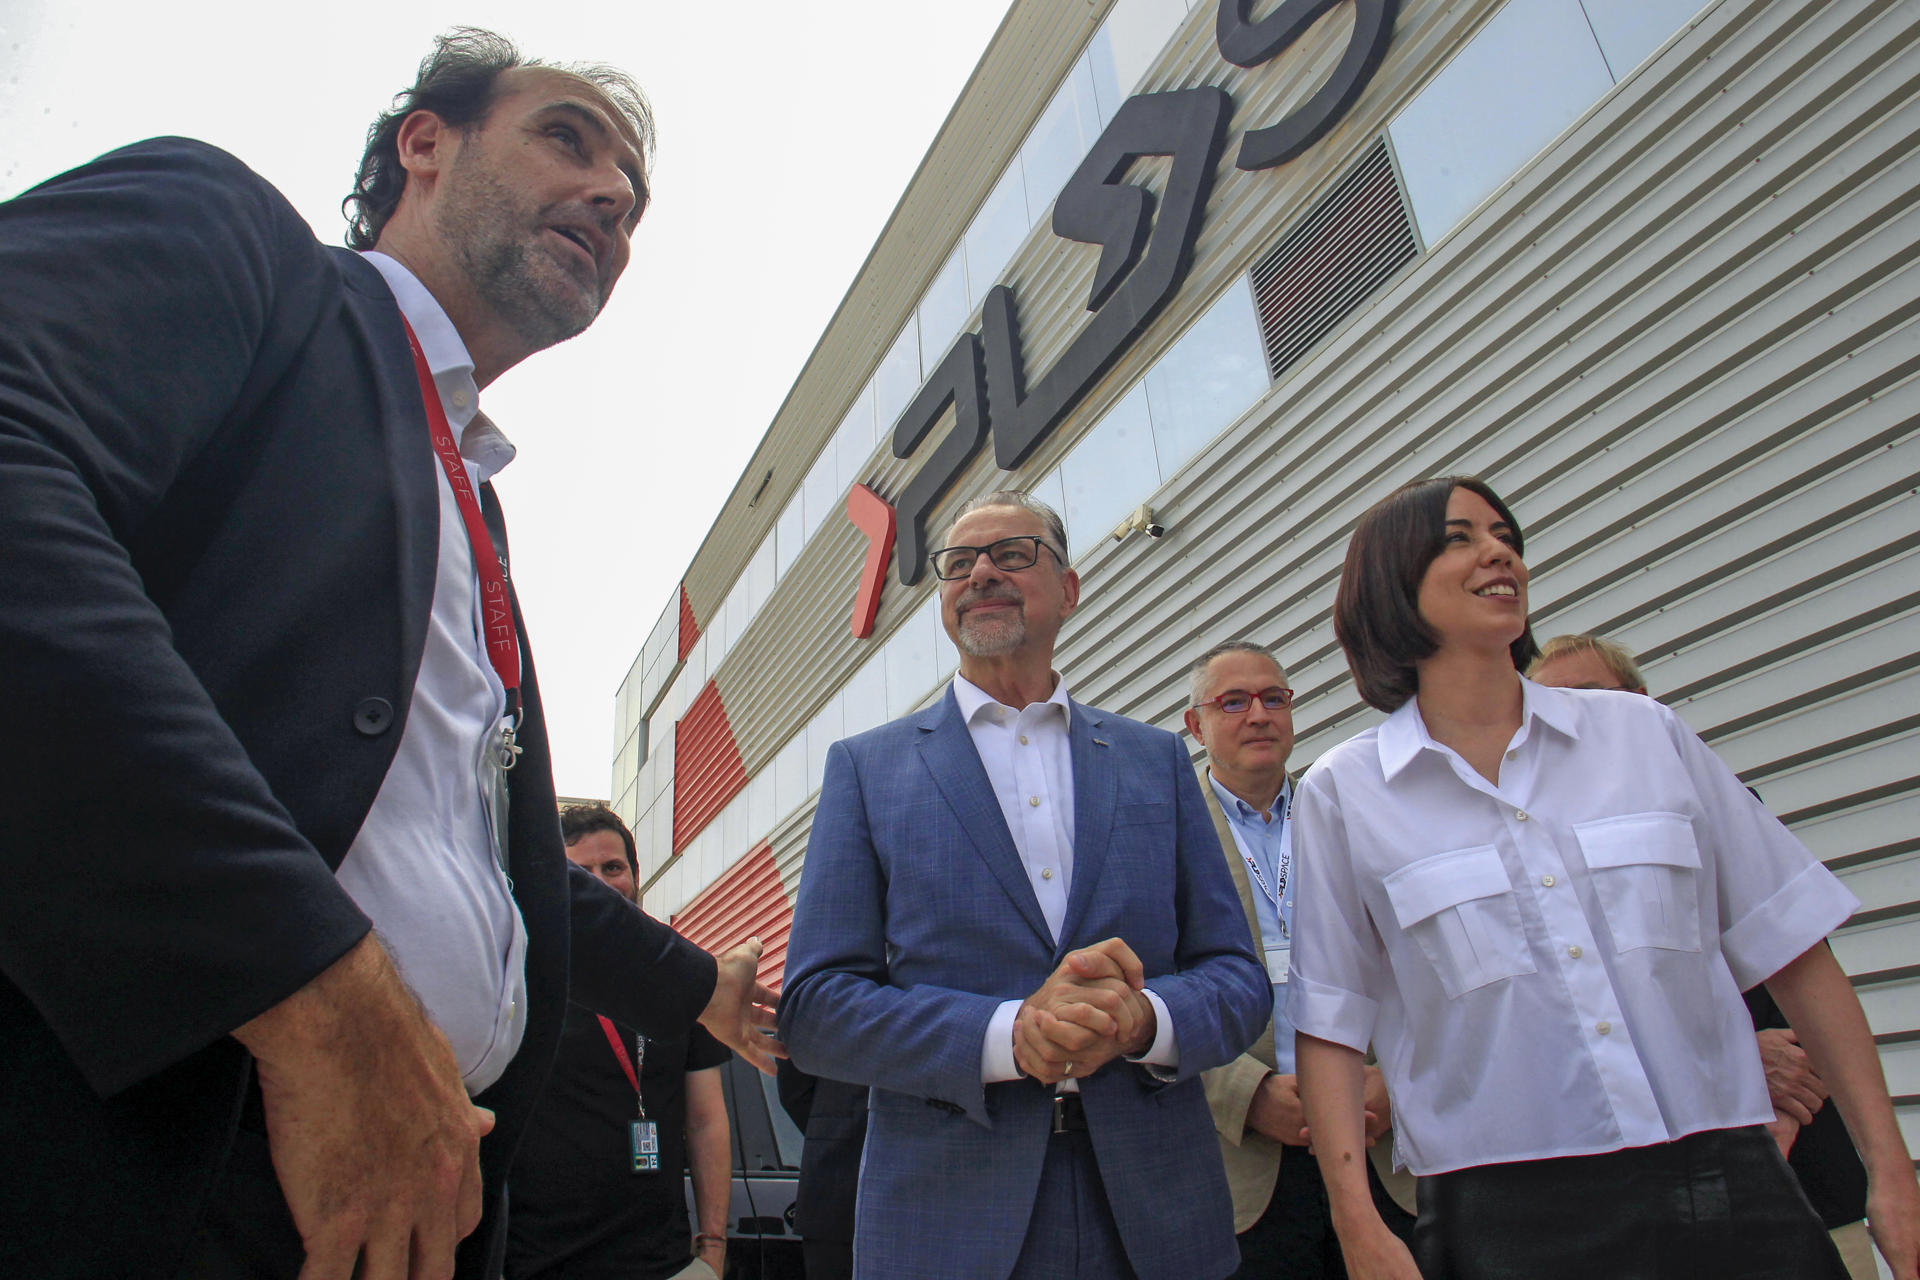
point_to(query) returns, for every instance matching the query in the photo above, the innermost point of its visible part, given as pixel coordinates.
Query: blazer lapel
(947, 750)
(1263, 1048)
(1094, 787)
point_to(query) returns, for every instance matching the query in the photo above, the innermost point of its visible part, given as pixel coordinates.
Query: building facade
(1651, 268)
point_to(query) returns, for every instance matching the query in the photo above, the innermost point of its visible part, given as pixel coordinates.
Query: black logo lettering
(1248, 44)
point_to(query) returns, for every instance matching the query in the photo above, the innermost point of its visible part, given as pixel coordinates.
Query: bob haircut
(1376, 612)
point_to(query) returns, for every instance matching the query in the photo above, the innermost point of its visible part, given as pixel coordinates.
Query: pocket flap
(1637, 839)
(1420, 889)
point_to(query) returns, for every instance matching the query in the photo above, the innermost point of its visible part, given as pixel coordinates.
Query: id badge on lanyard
(643, 1135)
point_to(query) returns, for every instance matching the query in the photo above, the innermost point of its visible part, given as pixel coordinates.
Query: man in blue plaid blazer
(1016, 925)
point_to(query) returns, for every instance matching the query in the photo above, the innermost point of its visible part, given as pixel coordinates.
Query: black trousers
(1721, 1204)
(1293, 1239)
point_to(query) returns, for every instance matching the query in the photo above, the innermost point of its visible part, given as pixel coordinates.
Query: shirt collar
(975, 701)
(1404, 734)
(1234, 806)
(486, 450)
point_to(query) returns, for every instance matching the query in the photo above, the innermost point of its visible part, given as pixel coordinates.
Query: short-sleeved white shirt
(1549, 966)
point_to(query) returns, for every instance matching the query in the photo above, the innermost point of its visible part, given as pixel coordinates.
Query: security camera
(1139, 520)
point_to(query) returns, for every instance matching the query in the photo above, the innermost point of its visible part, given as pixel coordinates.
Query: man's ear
(426, 145)
(1070, 588)
(1192, 718)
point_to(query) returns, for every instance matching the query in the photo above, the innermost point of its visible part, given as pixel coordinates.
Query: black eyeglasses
(1237, 702)
(1009, 555)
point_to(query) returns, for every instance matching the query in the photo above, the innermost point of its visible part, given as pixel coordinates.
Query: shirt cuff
(996, 1051)
(1330, 1013)
(1777, 932)
(1165, 1050)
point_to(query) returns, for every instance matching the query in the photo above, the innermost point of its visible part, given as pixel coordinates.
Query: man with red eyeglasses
(1242, 713)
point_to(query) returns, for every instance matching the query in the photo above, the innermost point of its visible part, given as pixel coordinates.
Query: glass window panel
(1629, 30)
(761, 805)
(1528, 75)
(1126, 45)
(1061, 138)
(865, 695)
(910, 663)
(996, 233)
(1110, 472)
(790, 533)
(734, 834)
(1207, 379)
(790, 783)
(760, 575)
(739, 614)
(827, 727)
(822, 488)
(898, 377)
(853, 441)
(1051, 490)
(942, 312)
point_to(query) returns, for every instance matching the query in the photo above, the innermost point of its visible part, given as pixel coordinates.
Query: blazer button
(373, 717)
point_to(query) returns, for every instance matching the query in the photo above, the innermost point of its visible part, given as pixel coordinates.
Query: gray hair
(1056, 527)
(1197, 677)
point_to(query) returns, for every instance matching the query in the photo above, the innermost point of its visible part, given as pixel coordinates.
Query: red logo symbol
(873, 516)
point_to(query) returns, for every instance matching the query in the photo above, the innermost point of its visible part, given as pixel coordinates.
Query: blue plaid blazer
(915, 919)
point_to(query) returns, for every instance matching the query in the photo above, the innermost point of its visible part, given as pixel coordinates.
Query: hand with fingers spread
(740, 1014)
(374, 1140)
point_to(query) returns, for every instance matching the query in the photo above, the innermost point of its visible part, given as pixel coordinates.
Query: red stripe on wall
(689, 625)
(748, 901)
(707, 770)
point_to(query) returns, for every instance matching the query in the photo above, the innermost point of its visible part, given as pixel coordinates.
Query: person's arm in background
(709, 1159)
(1819, 1001)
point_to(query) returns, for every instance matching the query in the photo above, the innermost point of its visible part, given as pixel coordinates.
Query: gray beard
(1001, 641)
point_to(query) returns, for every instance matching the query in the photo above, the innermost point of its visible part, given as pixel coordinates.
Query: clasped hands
(1089, 1012)
(1277, 1112)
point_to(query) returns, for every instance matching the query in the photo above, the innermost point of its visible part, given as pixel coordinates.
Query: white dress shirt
(423, 866)
(1029, 763)
(1550, 965)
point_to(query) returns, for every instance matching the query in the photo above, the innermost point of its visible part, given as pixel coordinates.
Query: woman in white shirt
(1540, 906)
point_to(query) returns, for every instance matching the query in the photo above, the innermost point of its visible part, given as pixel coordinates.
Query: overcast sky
(787, 134)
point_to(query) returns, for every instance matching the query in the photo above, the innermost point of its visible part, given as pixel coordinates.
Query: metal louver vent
(1341, 251)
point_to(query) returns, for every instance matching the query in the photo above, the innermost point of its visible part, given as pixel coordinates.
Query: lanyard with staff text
(645, 1135)
(496, 606)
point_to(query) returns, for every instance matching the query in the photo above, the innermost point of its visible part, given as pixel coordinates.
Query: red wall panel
(707, 770)
(748, 901)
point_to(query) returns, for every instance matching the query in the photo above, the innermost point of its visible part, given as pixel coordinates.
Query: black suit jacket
(219, 525)
(832, 1114)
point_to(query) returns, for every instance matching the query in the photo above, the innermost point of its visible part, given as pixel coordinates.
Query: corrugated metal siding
(707, 771)
(689, 625)
(1683, 344)
(799, 649)
(748, 901)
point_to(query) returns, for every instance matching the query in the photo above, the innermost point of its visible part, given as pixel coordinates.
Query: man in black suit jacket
(220, 514)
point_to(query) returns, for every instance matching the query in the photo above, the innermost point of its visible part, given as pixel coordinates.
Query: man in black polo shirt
(596, 1188)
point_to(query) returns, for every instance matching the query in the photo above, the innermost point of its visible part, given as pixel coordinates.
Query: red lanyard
(620, 1051)
(496, 607)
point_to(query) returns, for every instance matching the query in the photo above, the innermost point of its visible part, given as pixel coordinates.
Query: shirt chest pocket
(1461, 910)
(1646, 873)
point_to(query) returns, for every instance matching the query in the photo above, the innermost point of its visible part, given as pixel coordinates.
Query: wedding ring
(1069, 1068)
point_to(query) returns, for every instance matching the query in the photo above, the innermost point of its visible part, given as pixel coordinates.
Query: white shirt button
(1604, 1028)
(460, 399)
(1575, 952)
(1023, 739)
(1034, 801)
(1046, 873)
(513, 1007)
(1548, 881)
(1520, 815)
(1512, 754)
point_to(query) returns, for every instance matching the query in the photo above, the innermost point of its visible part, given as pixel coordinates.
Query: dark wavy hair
(1376, 611)
(577, 820)
(457, 82)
